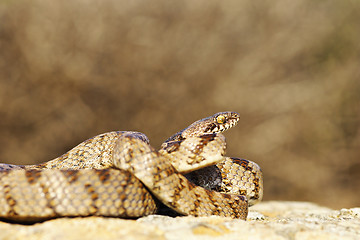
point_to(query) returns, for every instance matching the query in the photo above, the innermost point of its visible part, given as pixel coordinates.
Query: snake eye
(220, 119)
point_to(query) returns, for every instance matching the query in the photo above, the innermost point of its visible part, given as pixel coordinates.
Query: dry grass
(72, 69)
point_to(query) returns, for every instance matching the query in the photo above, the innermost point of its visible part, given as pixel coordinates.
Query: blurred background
(70, 70)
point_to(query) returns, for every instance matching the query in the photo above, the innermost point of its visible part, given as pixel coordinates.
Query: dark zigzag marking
(71, 175)
(32, 175)
(246, 164)
(49, 200)
(204, 141)
(10, 201)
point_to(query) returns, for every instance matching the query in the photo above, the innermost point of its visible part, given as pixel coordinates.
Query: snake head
(216, 123)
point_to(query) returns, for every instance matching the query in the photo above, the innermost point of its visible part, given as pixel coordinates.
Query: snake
(119, 174)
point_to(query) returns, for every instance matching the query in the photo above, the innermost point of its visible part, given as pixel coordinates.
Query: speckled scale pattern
(95, 153)
(171, 187)
(194, 153)
(42, 194)
(106, 176)
(241, 176)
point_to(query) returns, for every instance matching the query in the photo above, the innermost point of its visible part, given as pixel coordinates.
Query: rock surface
(268, 220)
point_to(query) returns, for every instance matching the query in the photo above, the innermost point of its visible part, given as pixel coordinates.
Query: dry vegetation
(72, 69)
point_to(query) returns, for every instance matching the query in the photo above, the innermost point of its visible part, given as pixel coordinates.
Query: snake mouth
(221, 122)
(223, 127)
(219, 128)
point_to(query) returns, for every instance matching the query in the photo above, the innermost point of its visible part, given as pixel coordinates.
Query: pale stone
(268, 220)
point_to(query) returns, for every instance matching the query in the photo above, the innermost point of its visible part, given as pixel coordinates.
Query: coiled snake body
(119, 174)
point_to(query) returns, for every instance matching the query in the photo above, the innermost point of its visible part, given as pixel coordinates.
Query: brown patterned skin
(231, 175)
(50, 189)
(216, 123)
(34, 195)
(241, 176)
(181, 195)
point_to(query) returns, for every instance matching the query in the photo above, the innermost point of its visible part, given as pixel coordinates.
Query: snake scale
(118, 174)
